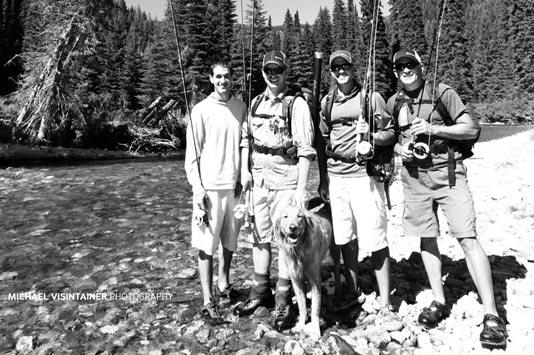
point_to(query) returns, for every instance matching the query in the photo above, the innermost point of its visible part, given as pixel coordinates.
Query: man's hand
(362, 127)
(323, 190)
(200, 207)
(421, 126)
(246, 180)
(407, 152)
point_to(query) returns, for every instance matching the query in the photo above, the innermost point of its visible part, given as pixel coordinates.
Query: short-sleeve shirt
(278, 172)
(413, 105)
(342, 136)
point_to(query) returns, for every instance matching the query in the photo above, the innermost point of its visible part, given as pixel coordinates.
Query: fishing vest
(287, 110)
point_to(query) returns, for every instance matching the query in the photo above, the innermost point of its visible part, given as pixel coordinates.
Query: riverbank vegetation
(101, 75)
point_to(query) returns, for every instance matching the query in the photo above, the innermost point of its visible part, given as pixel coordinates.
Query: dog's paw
(313, 331)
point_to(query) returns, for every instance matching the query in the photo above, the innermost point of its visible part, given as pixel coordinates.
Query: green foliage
(382, 75)
(506, 111)
(125, 60)
(407, 25)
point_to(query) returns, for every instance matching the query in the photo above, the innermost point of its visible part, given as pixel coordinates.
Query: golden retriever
(304, 238)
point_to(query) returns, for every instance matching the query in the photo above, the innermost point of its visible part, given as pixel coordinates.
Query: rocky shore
(139, 259)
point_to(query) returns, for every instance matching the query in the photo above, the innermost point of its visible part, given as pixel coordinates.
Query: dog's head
(291, 225)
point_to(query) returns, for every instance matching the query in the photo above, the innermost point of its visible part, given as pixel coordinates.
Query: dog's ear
(312, 226)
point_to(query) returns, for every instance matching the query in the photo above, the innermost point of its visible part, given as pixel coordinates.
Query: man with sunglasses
(428, 141)
(279, 135)
(357, 199)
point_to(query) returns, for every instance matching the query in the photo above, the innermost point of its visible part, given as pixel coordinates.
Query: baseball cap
(406, 55)
(341, 54)
(275, 57)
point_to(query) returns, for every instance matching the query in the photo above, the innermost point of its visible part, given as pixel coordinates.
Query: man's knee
(468, 244)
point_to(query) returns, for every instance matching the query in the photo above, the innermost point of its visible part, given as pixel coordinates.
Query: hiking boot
(284, 317)
(211, 310)
(431, 316)
(252, 304)
(494, 333)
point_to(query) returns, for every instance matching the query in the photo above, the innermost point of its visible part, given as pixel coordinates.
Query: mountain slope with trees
(101, 75)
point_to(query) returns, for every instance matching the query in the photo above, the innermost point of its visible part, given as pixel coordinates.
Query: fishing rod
(201, 218)
(364, 148)
(251, 52)
(243, 52)
(421, 150)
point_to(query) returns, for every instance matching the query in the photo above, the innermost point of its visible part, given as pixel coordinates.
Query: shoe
(348, 301)
(494, 334)
(284, 317)
(252, 304)
(431, 316)
(228, 293)
(211, 310)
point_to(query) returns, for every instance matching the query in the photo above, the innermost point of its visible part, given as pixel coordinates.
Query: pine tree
(521, 38)
(11, 30)
(260, 45)
(340, 40)
(322, 33)
(492, 75)
(407, 26)
(382, 76)
(453, 66)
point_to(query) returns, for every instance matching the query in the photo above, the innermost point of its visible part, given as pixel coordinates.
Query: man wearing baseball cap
(433, 122)
(279, 135)
(357, 199)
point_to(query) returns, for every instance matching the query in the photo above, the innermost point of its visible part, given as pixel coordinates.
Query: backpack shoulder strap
(438, 91)
(255, 103)
(330, 98)
(287, 109)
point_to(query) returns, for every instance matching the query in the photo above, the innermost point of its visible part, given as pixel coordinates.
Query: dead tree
(42, 107)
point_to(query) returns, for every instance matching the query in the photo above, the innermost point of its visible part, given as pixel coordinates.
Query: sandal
(348, 301)
(211, 310)
(228, 293)
(494, 334)
(431, 316)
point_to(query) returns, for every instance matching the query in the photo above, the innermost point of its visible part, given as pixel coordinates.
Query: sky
(308, 9)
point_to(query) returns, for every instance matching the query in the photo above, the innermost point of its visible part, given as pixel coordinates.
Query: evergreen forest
(98, 74)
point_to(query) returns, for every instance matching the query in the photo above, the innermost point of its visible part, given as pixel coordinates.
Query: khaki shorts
(268, 204)
(359, 212)
(424, 191)
(222, 224)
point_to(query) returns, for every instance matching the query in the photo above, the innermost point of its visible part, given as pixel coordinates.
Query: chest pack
(287, 110)
(464, 147)
(441, 145)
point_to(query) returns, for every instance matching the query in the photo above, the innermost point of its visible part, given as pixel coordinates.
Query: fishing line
(184, 88)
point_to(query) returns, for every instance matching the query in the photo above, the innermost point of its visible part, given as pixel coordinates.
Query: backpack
(464, 146)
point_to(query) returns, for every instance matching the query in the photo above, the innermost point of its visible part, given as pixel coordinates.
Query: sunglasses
(409, 65)
(345, 67)
(274, 71)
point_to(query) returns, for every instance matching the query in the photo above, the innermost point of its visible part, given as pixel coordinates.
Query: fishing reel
(420, 150)
(364, 151)
(201, 217)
